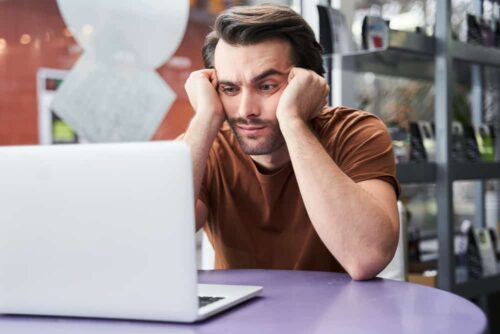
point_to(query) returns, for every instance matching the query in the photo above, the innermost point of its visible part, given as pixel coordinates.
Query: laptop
(105, 231)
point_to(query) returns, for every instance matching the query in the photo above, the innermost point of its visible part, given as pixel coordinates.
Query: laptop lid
(98, 230)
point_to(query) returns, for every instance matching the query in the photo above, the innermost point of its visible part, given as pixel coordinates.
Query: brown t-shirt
(258, 220)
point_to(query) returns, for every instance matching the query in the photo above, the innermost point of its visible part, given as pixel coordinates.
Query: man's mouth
(251, 129)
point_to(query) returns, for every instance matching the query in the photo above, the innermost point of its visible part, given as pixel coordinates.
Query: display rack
(439, 59)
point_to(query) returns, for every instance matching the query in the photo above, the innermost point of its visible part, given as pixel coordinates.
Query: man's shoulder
(341, 117)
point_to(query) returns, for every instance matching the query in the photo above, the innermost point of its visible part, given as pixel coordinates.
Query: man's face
(251, 81)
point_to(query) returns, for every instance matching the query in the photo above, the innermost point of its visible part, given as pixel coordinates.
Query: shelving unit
(476, 171)
(416, 173)
(439, 59)
(477, 288)
(475, 53)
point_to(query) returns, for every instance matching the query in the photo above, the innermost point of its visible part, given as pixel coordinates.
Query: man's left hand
(304, 97)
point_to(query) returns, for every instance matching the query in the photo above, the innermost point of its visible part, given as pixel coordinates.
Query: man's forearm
(200, 136)
(348, 219)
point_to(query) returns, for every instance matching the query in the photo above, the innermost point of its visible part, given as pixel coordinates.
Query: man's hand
(304, 97)
(201, 88)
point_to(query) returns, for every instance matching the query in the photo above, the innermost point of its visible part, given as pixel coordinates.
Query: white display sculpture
(113, 92)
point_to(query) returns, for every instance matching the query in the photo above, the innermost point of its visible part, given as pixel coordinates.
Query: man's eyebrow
(259, 77)
(267, 73)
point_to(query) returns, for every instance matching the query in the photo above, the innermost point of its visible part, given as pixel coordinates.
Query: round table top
(299, 302)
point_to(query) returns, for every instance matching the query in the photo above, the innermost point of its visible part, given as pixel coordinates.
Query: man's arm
(358, 222)
(202, 130)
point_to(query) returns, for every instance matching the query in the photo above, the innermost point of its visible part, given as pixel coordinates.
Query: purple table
(298, 302)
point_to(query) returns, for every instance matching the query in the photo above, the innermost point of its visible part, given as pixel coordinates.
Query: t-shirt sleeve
(363, 150)
(207, 176)
(204, 194)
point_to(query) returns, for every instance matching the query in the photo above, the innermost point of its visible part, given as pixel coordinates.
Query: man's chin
(255, 149)
(258, 148)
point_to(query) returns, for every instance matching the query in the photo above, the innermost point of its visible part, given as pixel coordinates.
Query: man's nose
(248, 107)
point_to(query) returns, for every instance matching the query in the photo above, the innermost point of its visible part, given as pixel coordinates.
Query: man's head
(248, 25)
(252, 50)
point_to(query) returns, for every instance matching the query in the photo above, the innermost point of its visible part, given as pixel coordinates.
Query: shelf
(416, 173)
(407, 55)
(476, 170)
(479, 287)
(411, 43)
(477, 54)
(412, 55)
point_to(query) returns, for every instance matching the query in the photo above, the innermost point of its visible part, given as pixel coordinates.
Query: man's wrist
(208, 118)
(291, 125)
(290, 120)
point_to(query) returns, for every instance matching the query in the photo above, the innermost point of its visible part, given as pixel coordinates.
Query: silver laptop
(103, 230)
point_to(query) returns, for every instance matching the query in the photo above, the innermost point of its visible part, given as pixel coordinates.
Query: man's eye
(267, 87)
(228, 90)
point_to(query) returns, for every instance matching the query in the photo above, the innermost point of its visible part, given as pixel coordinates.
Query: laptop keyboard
(204, 301)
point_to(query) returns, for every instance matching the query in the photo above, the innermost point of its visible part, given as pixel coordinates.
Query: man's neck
(272, 162)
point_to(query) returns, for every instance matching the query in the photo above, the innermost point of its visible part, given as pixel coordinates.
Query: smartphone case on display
(457, 142)
(428, 139)
(400, 142)
(417, 150)
(485, 141)
(471, 149)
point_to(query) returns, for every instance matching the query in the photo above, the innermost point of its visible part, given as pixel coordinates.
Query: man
(285, 182)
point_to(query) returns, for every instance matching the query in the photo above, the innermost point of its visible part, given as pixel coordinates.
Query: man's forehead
(245, 62)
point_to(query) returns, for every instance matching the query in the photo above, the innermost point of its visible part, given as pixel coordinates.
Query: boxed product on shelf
(428, 139)
(375, 31)
(334, 33)
(481, 253)
(474, 35)
(400, 143)
(457, 142)
(471, 149)
(483, 32)
(485, 141)
(417, 150)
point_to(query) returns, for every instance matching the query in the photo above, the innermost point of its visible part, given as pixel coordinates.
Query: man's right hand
(201, 88)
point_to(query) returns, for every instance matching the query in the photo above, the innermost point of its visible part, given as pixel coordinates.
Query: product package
(375, 32)
(471, 149)
(417, 150)
(428, 139)
(400, 142)
(457, 142)
(485, 141)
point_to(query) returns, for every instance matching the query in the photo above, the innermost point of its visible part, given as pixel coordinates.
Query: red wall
(50, 48)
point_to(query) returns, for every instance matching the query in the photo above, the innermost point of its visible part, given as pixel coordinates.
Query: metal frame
(442, 119)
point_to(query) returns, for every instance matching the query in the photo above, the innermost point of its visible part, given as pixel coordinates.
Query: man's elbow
(371, 264)
(361, 272)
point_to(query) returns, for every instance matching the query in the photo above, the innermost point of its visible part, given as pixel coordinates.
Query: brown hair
(246, 25)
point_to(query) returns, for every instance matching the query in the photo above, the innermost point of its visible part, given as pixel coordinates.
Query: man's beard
(257, 145)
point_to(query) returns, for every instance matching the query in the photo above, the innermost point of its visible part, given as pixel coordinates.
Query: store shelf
(476, 170)
(411, 42)
(391, 62)
(478, 287)
(407, 55)
(416, 173)
(414, 57)
(475, 53)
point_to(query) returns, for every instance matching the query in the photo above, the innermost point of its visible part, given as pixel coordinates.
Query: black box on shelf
(400, 143)
(457, 142)
(485, 136)
(427, 133)
(417, 150)
(471, 149)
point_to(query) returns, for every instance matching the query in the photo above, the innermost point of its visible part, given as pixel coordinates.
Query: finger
(214, 81)
(291, 72)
